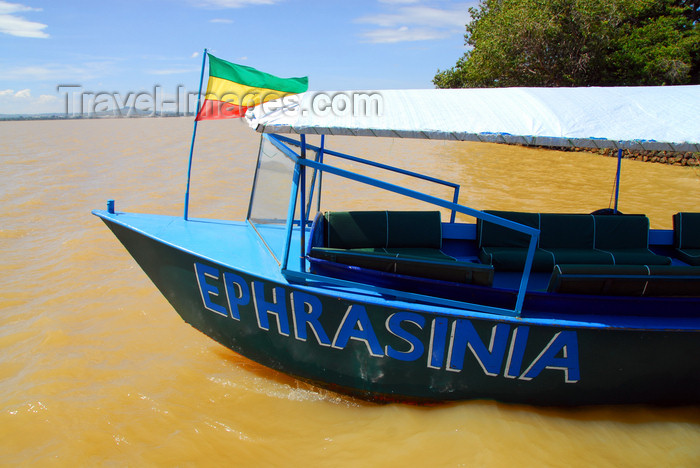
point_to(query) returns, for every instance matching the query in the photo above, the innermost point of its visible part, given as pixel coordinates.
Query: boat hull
(393, 353)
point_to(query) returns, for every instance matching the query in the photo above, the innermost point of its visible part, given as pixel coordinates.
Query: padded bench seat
(433, 265)
(567, 239)
(686, 237)
(396, 242)
(626, 280)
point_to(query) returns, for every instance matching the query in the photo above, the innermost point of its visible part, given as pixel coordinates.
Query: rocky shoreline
(663, 157)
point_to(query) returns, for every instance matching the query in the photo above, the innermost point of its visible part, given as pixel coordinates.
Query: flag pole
(194, 134)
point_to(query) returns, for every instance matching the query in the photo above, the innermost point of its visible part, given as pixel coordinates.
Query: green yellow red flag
(233, 89)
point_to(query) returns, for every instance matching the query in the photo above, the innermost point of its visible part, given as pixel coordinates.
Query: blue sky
(133, 46)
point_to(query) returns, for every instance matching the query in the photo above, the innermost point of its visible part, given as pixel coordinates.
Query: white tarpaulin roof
(655, 118)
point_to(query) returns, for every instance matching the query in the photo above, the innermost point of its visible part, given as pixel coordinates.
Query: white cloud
(398, 1)
(221, 20)
(172, 71)
(194, 55)
(415, 23)
(47, 98)
(403, 34)
(56, 72)
(231, 3)
(18, 26)
(420, 15)
(22, 102)
(8, 8)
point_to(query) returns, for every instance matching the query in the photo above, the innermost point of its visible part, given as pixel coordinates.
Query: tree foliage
(578, 43)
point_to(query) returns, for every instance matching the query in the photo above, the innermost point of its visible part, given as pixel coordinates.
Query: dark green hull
(382, 352)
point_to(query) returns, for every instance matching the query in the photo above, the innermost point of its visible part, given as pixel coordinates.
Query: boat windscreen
(269, 202)
(273, 182)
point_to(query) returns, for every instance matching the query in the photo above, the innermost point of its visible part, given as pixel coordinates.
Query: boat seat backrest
(567, 239)
(383, 229)
(621, 232)
(686, 230)
(493, 235)
(571, 231)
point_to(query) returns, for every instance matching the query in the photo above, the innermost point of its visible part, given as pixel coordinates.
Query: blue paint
(237, 293)
(393, 325)
(516, 353)
(207, 290)
(617, 177)
(438, 338)
(368, 162)
(564, 343)
(490, 359)
(277, 307)
(306, 310)
(194, 134)
(357, 326)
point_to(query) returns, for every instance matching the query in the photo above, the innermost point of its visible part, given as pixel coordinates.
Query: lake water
(97, 369)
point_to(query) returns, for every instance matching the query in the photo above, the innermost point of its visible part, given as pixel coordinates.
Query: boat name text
(298, 313)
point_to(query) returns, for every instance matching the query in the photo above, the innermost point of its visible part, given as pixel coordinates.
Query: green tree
(578, 43)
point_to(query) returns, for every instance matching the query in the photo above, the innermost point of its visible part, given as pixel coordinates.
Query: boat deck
(223, 242)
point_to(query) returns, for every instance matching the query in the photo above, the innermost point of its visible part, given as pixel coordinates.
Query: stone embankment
(663, 157)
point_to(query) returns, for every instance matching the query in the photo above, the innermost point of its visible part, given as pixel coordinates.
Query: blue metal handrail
(368, 162)
(322, 167)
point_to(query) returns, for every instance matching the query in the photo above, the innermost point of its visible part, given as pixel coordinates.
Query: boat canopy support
(617, 178)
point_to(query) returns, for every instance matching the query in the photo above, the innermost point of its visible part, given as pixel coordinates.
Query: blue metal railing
(367, 162)
(455, 207)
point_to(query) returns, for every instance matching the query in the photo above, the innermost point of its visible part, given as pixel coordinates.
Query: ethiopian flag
(232, 89)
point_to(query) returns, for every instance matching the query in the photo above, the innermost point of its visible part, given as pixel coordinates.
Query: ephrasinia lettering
(450, 342)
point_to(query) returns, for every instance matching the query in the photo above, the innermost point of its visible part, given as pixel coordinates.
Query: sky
(54, 51)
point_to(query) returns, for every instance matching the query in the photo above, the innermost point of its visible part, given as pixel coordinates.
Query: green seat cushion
(459, 272)
(686, 237)
(672, 280)
(356, 229)
(689, 256)
(568, 239)
(513, 259)
(493, 235)
(582, 256)
(626, 280)
(621, 232)
(602, 280)
(420, 252)
(383, 229)
(686, 230)
(414, 229)
(638, 257)
(406, 252)
(363, 258)
(566, 231)
(434, 266)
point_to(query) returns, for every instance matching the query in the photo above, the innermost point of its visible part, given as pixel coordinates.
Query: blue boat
(390, 305)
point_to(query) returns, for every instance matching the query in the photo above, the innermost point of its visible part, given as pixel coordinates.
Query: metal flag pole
(194, 134)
